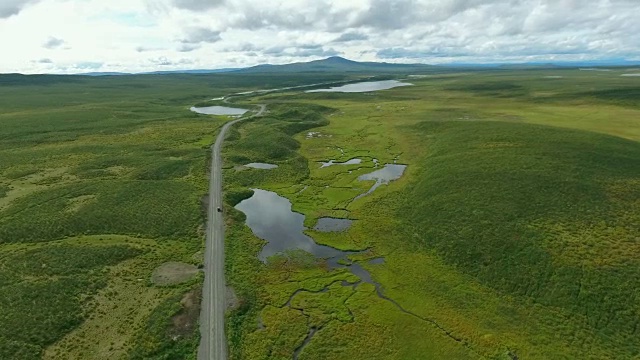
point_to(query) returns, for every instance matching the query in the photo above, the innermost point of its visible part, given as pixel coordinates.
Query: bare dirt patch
(78, 202)
(25, 184)
(119, 170)
(185, 322)
(204, 204)
(230, 298)
(172, 273)
(198, 258)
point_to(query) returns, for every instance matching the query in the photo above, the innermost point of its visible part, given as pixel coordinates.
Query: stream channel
(271, 218)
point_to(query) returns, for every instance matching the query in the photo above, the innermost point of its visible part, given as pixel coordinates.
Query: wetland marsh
(506, 227)
(472, 193)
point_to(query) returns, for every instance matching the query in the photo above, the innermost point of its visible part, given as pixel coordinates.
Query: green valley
(512, 233)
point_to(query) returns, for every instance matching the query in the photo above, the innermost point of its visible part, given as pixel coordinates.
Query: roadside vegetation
(101, 183)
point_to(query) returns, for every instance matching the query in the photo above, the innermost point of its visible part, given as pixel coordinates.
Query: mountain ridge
(339, 64)
(336, 64)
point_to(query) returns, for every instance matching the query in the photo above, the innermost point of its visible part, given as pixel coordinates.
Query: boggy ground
(100, 184)
(512, 234)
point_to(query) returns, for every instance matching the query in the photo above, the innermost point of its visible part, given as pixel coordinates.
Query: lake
(363, 86)
(262, 166)
(270, 217)
(218, 110)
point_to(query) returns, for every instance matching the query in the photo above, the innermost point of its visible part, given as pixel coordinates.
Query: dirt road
(213, 344)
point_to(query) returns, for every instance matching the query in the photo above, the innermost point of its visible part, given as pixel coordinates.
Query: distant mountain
(336, 64)
(104, 74)
(197, 71)
(612, 63)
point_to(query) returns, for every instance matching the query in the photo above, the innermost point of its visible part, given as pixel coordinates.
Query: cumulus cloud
(392, 14)
(53, 43)
(141, 49)
(165, 61)
(247, 47)
(197, 5)
(200, 35)
(161, 61)
(351, 36)
(188, 47)
(13, 7)
(292, 15)
(45, 61)
(304, 50)
(422, 53)
(246, 32)
(399, 14)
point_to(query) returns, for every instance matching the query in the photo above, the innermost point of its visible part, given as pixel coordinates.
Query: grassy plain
(512, 234)
(101, 181)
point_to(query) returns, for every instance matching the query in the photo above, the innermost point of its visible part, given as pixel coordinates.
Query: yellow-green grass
(106, 159)
(88, 156)
(103, 162)
(480, 170)
(119, 311)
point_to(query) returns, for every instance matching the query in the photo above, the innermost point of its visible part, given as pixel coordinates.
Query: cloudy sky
(70, 36)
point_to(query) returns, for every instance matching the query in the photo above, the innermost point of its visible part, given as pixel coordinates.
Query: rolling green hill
(546, 215)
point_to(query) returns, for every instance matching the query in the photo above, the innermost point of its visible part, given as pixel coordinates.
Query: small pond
(388, 173)
(270, 218)
(363, 86)
(218, 110)
(261, 166)
(328, 224)
(348, 162)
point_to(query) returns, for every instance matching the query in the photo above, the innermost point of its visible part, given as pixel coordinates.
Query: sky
(77, 36)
